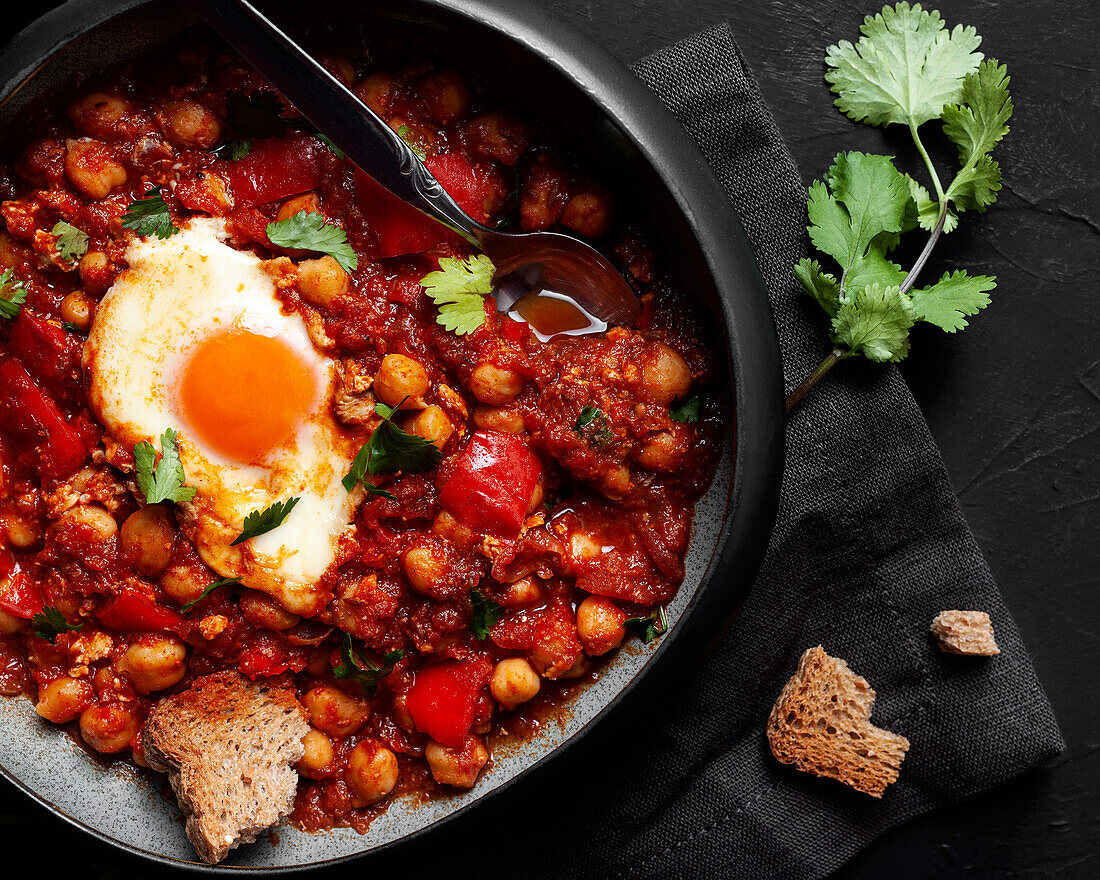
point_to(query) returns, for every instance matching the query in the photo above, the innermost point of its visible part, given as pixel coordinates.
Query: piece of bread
(965, 632)
(821, 724)
(228, 746)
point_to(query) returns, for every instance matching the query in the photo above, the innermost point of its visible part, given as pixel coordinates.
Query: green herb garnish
(686, 411)
(486, 613)
(12, 294)
(164, 481)
(149, 215)
(362, 671)
(71, 243)
(593, 425)
(233, 151)
(312, 232)
(224, 582)
(649, 627)
(49, 623)
(260, 522)
(906, 69)
(71, 327)
(332, 148)
(390, 450)
(459, 289)
(405, 133)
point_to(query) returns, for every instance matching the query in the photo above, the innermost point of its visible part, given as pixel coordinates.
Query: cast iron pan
(604, 114)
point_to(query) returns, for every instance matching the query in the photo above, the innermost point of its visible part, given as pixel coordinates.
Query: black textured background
(1013, 402)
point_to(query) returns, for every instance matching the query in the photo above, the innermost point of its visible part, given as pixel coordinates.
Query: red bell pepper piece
(443, 697)
(44, 349)
(28, 412)
(265, 655)
(489, 489)
(132, 611)
(456, 175)
(274, 169)
(19, 595)
(514, 331)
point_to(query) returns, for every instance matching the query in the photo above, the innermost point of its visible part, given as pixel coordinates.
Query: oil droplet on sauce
(553, 314)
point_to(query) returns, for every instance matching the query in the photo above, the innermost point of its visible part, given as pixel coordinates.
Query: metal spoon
(546, 260)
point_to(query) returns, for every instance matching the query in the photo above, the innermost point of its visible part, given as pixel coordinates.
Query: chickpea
(446, 526)
(457, 767)
(9, 623)
(95, 271)
(63, 699)
(497, 136)
(342, 69)
(371, 774)
(377, 91)
(615, 481)
(661, 451)
(190, 124)
(400, 377)
(109, 727)
(77, 308)
(427, 568)
(321, 282)
(184, 583)
(600, 625)
(147, 537)
(335, 712)
(495, 385)
(525, 591)
(432, 424)
(92, 168)
(446, 96)
(94, 521)
(154, 662)
(494, 418)
(317, 756)
(100, 114)
(514, 681)
(665, 376)
(22, 531)
(308, 202)
(262, 611)
(588, 213)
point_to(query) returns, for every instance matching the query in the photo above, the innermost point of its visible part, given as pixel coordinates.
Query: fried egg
(192, 336)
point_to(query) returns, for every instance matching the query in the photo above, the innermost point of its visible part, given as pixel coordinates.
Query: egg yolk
(244, 394)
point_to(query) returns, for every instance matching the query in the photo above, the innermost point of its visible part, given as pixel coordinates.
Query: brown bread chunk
(228, 746)
(965, 632)
(821, 724)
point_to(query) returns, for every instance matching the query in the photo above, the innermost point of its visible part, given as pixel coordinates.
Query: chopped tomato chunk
(443, 697)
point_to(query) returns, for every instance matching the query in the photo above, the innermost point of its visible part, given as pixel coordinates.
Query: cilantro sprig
(485, 613)
(260, 522)
(390, 450)
(49, 623)
(361, 670)
(12, 294)
(649, 627)
(260, 115)
(405, 133)
(906, 69)
(71, 242)
(686, 411)
(149, 215)
(459, 289)
(592, 425)
(312, 232)
(224, 582)
(161, 480)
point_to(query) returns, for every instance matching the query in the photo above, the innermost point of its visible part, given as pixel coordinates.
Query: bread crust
(965, 632)
(228, 746)
(821, 724)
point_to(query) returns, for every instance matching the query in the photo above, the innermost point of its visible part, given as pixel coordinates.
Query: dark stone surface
(1013, 402)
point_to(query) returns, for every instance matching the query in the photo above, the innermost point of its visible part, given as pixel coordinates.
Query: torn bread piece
(821, 724)
(228, 746)
(965, 632)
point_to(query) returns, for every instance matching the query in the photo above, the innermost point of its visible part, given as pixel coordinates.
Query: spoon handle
(326, 102)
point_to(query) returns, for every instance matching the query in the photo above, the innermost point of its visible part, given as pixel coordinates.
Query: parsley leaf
(486, 613)
(313, 233)
(405, 133)
(164, 482)
(875, 322)
(362, 671)
(390, 450)
(686, 411)
(949, 300)
(256, 115)
(459, 289)
(149, 215)
(649, 627)
(260, 522)
(12, 294)
(49, 623)
(233, 151)
(904, 68)
(224, 582)
(72, 243)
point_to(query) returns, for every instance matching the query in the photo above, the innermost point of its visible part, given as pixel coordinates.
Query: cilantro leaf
(875, 322)
(363, 672)
(928, 209)
(486, 613)
(312, 232)
(405, 133)
(49, 623)
(12, 294)
(260, 522)
(224, 582)
(593, 425)
(588, 414)
(686, 411)
(358, 474)
(458, 288)
(149, 215)
(949, 300)
(819, 284)
(233, 151)
(164, 482)
(904, 68)
(256, 115)
(70, 327)
(649, 627)
(72, 243)
(977, 124)
(390, 450)
(332, 148)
